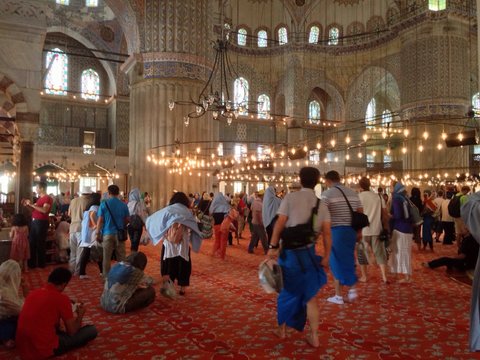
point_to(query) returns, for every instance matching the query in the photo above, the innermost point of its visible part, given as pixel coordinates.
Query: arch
(56, 81)
(14, 101)
(375, 23)
(90, 84)
(241, 94)
(314, 33)
(263, 106)
(81, 39)
(355, 28)
(127, 19)
(242, 38)
(263, 35)
(314, 112)
(281, 33)
(373, 81)
(334, 37)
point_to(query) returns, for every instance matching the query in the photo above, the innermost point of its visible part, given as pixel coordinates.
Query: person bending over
(127, 288)
(38, 332)
(465, 260)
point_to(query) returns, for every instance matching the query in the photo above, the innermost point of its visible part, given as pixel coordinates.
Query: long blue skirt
(342, 259)
(303, 276)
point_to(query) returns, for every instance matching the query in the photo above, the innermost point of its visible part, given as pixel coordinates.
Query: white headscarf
(10, 302)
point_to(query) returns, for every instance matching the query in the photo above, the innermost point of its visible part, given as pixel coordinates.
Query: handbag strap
(348, 202)
(381, 210)
(314, 212)
(113, 219)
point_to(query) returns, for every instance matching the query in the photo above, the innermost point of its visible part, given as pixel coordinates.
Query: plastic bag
(270, 276)
(168, 289)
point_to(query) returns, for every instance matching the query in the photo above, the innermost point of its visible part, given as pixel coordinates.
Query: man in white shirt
(374, 207)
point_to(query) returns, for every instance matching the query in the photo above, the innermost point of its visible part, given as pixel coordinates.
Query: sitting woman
(10, 302)
(127, 288)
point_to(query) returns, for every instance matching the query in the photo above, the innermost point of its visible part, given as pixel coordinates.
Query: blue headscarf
(219, 204)
(271, 203)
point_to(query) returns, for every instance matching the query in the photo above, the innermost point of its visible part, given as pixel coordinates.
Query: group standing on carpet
(288, 228)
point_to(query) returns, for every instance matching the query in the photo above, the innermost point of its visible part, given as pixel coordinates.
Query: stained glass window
(370, 114)
(262, 38)
(242, 37)
(314, 112)
(476, 103)
(240, 95)
(56, 81)
(63, 2)
(263, 106)
(90, 84)
(314, 34)
(333, 36)
(437, 5)
(91, 3)
(282, 36)
(386, 117)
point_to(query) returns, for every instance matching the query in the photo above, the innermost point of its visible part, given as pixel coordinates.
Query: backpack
(454, 206)
(174, 233)
(414, 214)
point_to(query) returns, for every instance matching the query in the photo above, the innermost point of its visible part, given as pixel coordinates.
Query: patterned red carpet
(225, 315)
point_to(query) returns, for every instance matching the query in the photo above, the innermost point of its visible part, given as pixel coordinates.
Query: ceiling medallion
(347, 2)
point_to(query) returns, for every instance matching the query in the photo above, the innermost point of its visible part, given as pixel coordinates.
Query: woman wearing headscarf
(176, 263)
(10, 301)
(219, 208)
(416, 199)
(138, 215)
(270, 205)
(127, 288)
(402, 230)
(470, 213)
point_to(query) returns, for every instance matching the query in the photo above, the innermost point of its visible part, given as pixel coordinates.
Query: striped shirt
(339, 211)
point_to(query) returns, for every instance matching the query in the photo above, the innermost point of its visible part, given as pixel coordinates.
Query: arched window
(370, 114)
(91, 3)
(242, 37)
(386, 118)
(56, 82)
(333, 36)
(63, 2)
(437, 5)
(476, 103)
(282, 36)
(90, 84)
(263, 106)
(262, 38)
(240, 95)
(314, 34)
(314, 112)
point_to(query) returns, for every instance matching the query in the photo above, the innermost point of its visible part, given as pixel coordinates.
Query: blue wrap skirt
(342, 259)
(303, 276)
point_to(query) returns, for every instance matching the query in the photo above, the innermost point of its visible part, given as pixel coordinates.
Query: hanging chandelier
(215, 95)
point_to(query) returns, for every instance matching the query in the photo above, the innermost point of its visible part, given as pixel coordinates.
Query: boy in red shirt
(38, 330)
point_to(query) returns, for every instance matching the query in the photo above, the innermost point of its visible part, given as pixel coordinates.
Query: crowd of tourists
(355, 227)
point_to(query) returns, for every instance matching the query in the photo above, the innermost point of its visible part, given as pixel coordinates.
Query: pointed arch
(56, 81)
(90, 84)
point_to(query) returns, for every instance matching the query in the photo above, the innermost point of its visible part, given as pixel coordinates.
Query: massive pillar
(435, 89)
(173, 65)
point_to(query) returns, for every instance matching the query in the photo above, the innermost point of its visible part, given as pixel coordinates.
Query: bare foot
(313, 341)
(279, 333)
(363, 279)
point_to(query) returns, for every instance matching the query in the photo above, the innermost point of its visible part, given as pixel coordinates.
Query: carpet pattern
(226, 315)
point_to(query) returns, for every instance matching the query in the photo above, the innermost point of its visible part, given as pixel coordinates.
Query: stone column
(23, 189)
(435, 88)
(173, 65)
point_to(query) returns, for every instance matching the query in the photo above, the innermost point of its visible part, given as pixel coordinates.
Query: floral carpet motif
(226, 315)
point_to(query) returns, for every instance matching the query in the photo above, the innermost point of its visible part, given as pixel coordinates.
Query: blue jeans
(79, 339)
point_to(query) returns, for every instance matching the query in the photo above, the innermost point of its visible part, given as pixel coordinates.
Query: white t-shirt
(445, 215)
(297, 206)
(372, 206)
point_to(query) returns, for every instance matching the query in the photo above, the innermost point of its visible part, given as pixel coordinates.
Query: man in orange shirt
(38, 335)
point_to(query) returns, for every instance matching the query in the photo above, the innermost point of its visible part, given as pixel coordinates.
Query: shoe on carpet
(84, 277)
(336, 300)
(352, 295)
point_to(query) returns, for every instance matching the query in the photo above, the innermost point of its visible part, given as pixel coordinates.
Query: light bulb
(388, 151)
(404, 150)
(406, 132)
(420, 148)
(215, 114)
(347, 139)
(425, 135)
(365, 137)
(319, 146)
(439, 146)
(305, 148)
(333, 142)
(444, 135)
(171, 105)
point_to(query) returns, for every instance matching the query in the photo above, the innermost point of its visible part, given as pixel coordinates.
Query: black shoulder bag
(300, 235)
(121, 233)
(359, 220)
